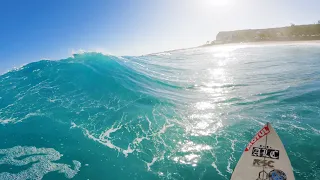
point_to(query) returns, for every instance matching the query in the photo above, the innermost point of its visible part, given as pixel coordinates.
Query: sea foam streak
(41, 160)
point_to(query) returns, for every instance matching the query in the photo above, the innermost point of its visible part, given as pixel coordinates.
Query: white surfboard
(264, 158)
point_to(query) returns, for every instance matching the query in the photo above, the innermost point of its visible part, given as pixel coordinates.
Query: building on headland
(290, 33)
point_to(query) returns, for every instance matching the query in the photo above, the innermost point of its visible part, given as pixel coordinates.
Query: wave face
(184, 114)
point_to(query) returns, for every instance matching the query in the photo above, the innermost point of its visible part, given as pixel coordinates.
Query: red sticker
(264, 131)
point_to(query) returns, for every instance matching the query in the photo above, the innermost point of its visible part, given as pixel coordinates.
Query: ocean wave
(170, 114)
(111, 102)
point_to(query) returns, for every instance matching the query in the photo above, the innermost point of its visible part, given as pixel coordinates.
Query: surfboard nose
(264, 158)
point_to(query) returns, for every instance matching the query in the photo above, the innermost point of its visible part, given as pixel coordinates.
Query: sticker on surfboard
(264, 158)
(263, 132)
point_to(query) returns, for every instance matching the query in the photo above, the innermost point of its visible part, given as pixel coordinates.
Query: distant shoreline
(293, 33)
(264, 42)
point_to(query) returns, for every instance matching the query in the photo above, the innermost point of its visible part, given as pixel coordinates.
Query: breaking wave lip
(41, 160)
(73, 54)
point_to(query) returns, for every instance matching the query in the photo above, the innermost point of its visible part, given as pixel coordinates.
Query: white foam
(73, 125)
(162, 54)
(127, 151)
(229, 170)
(103, 141)
(231, 159)
(105, 138)
(151, 163)
(165, 127)
(150, 123)
(216, 167)
(316, 131)
(108, 132)
(297, 127)
(42, 163)
(6, 121)
(137, 141)
(29, 115)
(97, 50)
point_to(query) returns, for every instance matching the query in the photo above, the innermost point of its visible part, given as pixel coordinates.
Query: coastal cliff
(291, 33)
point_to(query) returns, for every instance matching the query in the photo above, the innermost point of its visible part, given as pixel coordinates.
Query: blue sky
(35, 29)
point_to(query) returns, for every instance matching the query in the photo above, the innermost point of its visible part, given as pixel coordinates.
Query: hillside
(291, 33)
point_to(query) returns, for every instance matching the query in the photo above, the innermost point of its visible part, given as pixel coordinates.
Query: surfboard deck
(264, 158)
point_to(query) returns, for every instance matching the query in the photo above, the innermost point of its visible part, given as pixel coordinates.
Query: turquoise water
(186, 114)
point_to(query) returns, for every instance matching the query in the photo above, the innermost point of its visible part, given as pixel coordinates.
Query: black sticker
(266, 152)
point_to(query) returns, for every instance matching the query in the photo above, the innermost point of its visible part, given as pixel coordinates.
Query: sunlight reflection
(218, 78)
(213, 84)
(218, 74)
(188, 159)
(210, 90)
(225, 54)
(203, 124)
(204, 105)
(189, 146)
(229, 48)
(222, 63)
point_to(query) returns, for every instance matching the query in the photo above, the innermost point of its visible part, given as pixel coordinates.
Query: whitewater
(184, 114)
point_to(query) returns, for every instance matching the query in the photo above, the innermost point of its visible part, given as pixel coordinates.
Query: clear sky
(35, 29)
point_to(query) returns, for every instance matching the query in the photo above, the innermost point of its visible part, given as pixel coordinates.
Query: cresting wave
(167, 116)
(115, 105)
